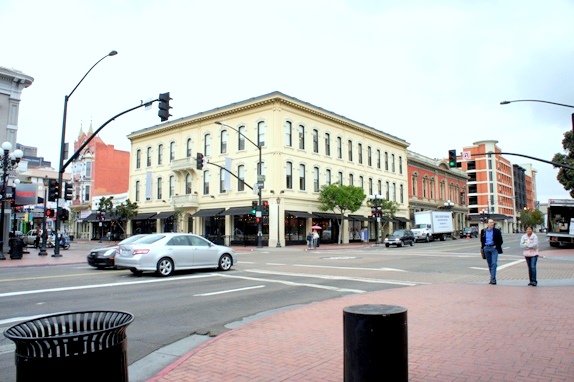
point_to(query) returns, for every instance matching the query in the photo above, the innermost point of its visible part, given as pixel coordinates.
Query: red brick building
(100, 170)
(433, 185)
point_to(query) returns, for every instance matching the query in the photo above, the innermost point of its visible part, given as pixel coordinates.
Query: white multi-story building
(301, 146)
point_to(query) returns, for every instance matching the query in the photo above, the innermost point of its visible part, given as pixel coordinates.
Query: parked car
(164, 253)
(400, 237)
(30, 237)
(469, 231)
(105, 257)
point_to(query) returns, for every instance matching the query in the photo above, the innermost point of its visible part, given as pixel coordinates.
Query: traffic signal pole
(77, 154)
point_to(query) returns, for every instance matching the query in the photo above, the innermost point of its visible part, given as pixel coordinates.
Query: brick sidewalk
(455, 333)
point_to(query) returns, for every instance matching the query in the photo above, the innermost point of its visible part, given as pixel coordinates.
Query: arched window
(188, 148)
(241, 176)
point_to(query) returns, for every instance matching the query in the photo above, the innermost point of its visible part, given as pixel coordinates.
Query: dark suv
(469, 231)
(400, 237)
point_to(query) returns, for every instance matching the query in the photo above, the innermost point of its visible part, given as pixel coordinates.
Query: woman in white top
(529, 242)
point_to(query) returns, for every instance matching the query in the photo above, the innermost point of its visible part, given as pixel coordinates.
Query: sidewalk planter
(78, 346)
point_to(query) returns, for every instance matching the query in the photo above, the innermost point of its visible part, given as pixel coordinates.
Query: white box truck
(432, 225)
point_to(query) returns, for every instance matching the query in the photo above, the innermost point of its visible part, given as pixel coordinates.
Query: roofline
(276, 96)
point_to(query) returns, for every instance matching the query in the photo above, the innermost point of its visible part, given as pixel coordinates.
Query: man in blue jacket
(491, 243)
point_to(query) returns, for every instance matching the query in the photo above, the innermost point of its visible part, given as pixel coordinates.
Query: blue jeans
(491, 255)
(531, 263)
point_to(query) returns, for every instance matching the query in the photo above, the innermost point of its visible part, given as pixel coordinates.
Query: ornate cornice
(272, 98)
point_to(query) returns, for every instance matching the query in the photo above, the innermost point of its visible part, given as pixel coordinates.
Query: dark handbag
(482, 254)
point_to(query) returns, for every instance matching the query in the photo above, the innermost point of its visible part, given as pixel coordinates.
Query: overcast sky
(430, 72)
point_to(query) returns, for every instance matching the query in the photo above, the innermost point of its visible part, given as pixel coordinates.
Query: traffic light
(253, 207)
(164, 107)
(50, 213)
(265, 207)
(53, 190)
(199, 161)
(65, 216)
(451, 158)
(68, 191)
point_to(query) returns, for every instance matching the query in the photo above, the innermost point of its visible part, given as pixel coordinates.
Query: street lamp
(9, 162)
(278, 218)
(448, 205)
(377, 212)
(14, 225)
(535, 100)
(62, 144)
(259, 184)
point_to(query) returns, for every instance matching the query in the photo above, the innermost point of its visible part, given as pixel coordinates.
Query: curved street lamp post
(9, 163)
(542, 101)
(62, 146)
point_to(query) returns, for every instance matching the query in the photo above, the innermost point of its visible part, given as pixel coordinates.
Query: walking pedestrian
(529, 242)
(315, 239)
(310, 240)
(491, 243)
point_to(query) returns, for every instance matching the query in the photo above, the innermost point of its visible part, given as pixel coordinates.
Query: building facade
(496, 188)
(433, 186)
(288, 146)
(99, 171)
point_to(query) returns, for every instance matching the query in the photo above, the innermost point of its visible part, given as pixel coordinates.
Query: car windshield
(399, 233)
(131, 239)
(148, 239)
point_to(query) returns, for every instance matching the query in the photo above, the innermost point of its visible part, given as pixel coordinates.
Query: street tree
(531, 217)
(340, 199)
(119, 214)
(566, 176)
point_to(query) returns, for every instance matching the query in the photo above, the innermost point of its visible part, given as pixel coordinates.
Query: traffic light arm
(529, 157)
(238, 178)
(78, 151)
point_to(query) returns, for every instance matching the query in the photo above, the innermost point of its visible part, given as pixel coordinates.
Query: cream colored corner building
(302, 148)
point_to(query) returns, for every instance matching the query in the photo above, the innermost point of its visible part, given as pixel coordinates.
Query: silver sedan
(164, 253)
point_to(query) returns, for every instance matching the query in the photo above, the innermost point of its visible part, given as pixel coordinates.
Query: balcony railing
(182, 164)
(189, 200)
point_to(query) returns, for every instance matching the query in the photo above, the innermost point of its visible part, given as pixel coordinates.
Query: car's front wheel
(164, 267)
(225, 263)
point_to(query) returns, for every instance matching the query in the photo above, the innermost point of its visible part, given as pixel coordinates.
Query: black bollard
(375, 343)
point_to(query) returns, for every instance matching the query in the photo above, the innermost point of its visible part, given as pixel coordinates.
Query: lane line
(291, 283)
(228, 291)
(328, 277)
(353, 268)
(53, 290)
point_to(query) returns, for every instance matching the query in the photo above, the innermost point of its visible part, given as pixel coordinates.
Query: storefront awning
(90, 218)
(143, 216)
(238, 211)
(208, 212)
(164, 215)
(326, 215)
(300, 214)
(358, 217)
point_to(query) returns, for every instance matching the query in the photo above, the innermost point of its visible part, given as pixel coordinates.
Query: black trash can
(78, 346)
(16, 245)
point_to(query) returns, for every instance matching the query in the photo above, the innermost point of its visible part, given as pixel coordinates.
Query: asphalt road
(167, 310)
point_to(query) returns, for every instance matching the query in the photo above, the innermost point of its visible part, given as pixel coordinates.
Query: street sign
(259, 185)
(465, 155)
(261, 178)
